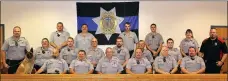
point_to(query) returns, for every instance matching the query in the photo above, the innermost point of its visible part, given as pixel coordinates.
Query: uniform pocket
(38, 55)
(12, 43)
(104, 65)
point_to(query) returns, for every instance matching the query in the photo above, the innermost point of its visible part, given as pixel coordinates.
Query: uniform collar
(92, 49)
(70, 48)
(165, 56)
(20, 39)
(138, 59)
(122, 47)
(45, 48)
(126, 33)
(85, 34)
(153, 33)
(82, 60)
(60, 32)
(193, 56)
(186, 39)
(173, 49)
(213, 40)
(106, 58)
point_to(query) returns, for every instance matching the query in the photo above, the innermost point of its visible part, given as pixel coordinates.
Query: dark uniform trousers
(13, 65)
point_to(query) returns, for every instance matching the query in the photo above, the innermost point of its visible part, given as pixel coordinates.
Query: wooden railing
(119, 77)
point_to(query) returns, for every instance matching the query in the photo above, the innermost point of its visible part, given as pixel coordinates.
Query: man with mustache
(138, 64)
(109, 64)
(13, 50)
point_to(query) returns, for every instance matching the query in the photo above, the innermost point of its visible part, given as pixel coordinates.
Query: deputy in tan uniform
(58, 39)
(192, 64)
(13, 50)
(42, 53)
(94, 54)
(165, 64)
(109, 64)
(138, 64)
(83, 39)
(55, 65)
(146, 53)
(69, 52)
(187, 42)
(154, 41)
(81, 65)
(129, 38)
(174, 52)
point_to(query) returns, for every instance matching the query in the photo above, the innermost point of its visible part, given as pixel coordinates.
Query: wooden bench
(114, 77)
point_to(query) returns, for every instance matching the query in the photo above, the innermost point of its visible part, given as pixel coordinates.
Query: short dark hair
(189, 31)
(45, 39)
(82, 51)
(138, 48)
(71, 38)
(192, 47)
(60, 23)
(128, 23)
(119, 38)
(169, 39)
(213, 28)
(84, 24)
(153, 24)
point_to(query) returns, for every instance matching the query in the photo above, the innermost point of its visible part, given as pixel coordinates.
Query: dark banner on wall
(106, 20)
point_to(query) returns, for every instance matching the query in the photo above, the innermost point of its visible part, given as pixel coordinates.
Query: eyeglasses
(152, 36)
(164, 59)
(192, 58)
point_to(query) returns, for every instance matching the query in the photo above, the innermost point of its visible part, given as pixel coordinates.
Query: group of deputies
(80, 55)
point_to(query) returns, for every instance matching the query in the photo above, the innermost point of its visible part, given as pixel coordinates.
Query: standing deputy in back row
(129, 38)
(154, 41)
(58, 39)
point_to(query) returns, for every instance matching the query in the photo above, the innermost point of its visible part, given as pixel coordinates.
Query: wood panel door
(222, 32)
(1, 42)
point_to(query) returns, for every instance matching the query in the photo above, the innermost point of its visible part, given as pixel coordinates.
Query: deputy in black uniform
(214, 52)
